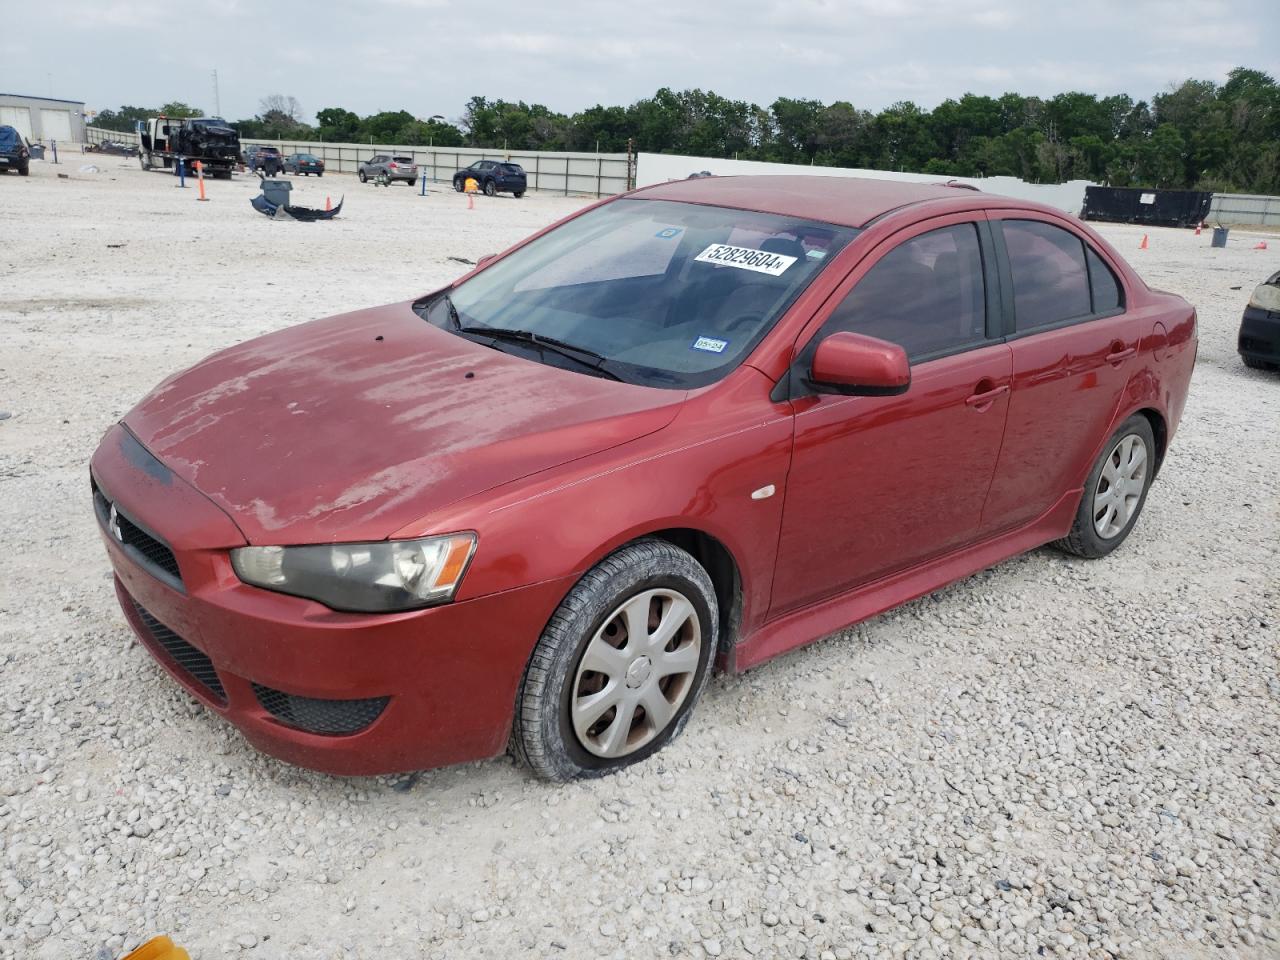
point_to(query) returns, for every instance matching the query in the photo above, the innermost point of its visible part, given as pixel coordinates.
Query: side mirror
(486, 258)
(855, 365)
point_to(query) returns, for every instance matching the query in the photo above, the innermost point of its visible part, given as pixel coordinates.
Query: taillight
(393, 166)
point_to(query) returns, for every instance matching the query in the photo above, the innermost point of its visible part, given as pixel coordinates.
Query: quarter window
(927, 295)
(1103, 284)
(1050, 278)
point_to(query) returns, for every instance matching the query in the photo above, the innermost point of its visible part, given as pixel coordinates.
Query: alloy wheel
(635, 673)
(1120, 486)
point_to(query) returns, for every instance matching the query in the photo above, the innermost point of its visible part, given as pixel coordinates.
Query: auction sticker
(744, 258)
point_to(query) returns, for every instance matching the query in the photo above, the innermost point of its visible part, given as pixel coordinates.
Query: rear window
(403, 159)
(512, 168)
(9, 135)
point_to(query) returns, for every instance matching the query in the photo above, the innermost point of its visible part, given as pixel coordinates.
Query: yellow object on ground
(158, 948)
(471, 186)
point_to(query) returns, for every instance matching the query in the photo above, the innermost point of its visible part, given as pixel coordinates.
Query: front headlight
(1266, 297)
(362, 577)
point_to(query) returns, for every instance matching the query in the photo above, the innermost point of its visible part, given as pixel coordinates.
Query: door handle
(987, 396)
(1119, 353)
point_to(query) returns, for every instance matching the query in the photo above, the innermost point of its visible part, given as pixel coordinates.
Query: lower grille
(332, 717)
(195, 665)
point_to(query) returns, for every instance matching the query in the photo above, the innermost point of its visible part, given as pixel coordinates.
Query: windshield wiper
(582, 355)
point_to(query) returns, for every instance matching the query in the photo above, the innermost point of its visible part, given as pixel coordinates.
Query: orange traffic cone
(471, 201)
(1143, 244)
(327, 205)
(158, 948)
(1262, 245)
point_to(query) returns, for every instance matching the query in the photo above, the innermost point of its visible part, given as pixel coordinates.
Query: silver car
(384, 168)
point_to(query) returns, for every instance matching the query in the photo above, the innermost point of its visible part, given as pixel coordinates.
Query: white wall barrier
(659, 167)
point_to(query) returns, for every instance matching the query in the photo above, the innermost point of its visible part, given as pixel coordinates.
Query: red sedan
(695, 426)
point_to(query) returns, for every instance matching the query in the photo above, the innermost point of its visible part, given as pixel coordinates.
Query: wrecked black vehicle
(1259, 342)
(211, 140)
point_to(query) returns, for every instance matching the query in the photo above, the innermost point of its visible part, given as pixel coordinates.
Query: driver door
(879, 484)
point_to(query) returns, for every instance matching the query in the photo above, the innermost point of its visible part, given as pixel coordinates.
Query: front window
(659, 293)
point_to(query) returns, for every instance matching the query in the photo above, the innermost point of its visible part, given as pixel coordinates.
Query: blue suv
(493, 176)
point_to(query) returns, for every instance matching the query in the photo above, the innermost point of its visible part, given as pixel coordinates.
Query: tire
(518, 194)
(457, 185)
(1097, 530)
(24, 170)
(490, 188)
(1253, 363)
(653, 574)
(362, 176)
(320, 174)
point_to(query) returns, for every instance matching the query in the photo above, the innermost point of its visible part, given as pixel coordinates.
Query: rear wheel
(1253, 363)
(24, 170)
(621, 664)
(518, 194)
(490, 188)
(1115, 491)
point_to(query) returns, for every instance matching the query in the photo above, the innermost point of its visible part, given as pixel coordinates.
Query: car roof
(846, 201)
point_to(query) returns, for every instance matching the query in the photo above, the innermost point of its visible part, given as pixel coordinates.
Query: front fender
(697, 473)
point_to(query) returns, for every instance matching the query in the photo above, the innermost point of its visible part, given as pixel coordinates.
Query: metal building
(43, 118)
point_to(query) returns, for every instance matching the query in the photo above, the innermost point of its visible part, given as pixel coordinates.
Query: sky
(430, 56)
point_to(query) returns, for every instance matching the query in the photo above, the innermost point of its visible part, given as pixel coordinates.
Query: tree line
(1197, 134)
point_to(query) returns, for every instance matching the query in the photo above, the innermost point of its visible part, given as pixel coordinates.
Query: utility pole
(217, 100)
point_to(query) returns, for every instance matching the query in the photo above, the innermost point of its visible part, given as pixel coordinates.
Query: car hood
(352, 427)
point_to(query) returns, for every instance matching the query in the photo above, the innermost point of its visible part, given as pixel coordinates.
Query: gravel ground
(1056, 757)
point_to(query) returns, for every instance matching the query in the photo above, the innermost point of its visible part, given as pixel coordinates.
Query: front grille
(190, 661)
(151, 553)
(332, 717)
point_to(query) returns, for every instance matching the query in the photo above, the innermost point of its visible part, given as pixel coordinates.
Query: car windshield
(660, 293)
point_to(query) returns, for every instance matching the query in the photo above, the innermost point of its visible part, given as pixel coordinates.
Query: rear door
(879, 484)
(1073, 346)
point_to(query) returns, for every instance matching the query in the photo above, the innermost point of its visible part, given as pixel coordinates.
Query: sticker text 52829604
(744, 258)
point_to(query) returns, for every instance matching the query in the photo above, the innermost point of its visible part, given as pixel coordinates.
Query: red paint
(323, 433)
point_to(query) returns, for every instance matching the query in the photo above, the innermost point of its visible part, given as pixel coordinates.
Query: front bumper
(1259, 337)
(406, 691)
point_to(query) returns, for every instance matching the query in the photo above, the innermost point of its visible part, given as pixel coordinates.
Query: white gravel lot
(1056, 757)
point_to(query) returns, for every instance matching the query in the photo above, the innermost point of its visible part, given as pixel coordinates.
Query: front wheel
(363, 178)
(1115, 491)
(458, 185)
(621, 664)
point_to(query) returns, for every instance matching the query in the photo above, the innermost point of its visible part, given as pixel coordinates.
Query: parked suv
(266, 159)
(14, 154)
(393, 168)
(493, 176)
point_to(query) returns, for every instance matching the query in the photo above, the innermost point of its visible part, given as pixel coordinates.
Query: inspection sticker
(668, 232)
(744, 258)
(710, 344)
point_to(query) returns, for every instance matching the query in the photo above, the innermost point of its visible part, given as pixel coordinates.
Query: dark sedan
(304, 163)
(14, 154)
(1259, 342)
(493, 176)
